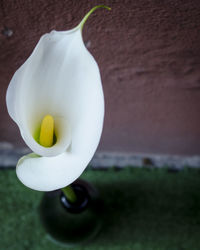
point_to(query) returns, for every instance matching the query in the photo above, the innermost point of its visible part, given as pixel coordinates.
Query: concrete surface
(9, 156)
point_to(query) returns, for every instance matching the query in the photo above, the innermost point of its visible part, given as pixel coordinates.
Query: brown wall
(149, 55)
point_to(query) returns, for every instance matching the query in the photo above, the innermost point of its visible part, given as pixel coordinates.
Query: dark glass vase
(72, 223)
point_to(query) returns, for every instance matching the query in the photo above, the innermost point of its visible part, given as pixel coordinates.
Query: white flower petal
(50, 173)
(62, 79)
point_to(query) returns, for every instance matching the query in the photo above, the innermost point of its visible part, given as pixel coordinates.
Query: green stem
(69, 194)
(90, 12)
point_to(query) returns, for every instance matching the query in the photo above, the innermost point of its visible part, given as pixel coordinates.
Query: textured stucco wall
(149, 56)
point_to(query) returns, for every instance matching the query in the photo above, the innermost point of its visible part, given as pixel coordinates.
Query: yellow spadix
(47, 131)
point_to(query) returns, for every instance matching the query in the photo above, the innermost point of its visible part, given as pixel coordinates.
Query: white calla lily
(60, 78)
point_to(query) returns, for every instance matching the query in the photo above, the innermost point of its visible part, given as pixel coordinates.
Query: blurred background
(148, 52)
(149, 57)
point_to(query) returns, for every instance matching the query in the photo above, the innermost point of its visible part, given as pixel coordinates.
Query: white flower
(60, 78)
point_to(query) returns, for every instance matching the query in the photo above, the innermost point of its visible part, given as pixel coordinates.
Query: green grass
(144, 210)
